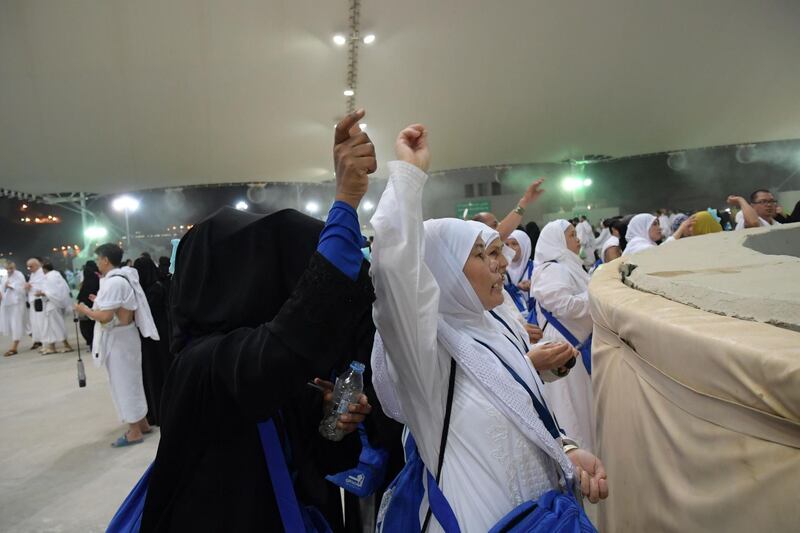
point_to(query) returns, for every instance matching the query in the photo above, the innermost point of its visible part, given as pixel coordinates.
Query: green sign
(467, 210)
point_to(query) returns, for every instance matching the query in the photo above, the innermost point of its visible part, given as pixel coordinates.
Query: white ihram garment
(560, 285)
(761, 221)
(119, 347)
(585, 235)
(37, 321)
(56, 301)
(12, 307)
(498, 452)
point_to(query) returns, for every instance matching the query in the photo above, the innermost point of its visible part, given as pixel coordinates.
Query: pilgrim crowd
(475, 337)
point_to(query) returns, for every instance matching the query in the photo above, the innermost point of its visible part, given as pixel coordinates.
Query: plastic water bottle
(347, 390)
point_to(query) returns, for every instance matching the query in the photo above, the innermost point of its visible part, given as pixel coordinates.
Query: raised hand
(412, 146)
(353, 159)
(532, 192)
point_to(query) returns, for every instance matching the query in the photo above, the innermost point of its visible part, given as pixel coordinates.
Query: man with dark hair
(759, 212)
(119, 308)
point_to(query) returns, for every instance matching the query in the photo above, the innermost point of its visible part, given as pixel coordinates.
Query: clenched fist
(412, 147)
(353, 159)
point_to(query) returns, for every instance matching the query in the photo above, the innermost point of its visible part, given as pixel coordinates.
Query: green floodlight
(570, 184)
(587, 182)
(96, 232)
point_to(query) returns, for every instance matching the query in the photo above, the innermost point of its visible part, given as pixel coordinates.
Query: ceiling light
(368, 206)
(312, 207)
(339, 39)
(369, 38)
(362, 126)
(241, 205)
(349, 92)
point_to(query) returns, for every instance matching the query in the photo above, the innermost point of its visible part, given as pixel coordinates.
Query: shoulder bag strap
(444, 513)
(282, 486)
(541, 409)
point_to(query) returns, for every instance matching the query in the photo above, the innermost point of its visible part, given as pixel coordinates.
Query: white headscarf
(518, 269)
(552, 246)
(509, 315)
(638, 234)
(462, 320)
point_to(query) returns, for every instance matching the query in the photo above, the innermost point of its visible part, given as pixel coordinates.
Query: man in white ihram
(586, 238)
(57, 299)
(118, 310)
(34, 285)
(12, 308)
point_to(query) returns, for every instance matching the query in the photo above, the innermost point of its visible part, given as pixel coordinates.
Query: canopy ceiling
(112, 95)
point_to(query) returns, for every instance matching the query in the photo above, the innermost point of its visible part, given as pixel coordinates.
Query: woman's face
(573, 244)
(655, 231)
(495, 253)
(482, 273)
(514, 245)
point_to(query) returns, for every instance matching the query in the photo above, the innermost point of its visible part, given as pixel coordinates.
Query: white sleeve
(407, 297)
(114, 293)
(555, 293)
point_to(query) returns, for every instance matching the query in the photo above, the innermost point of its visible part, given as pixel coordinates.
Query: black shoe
(36, 346)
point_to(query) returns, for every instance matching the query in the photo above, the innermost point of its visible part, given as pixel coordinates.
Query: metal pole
(83, 222)
(127, 231)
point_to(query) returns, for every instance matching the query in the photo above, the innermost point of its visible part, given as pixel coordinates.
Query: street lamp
(126, 204)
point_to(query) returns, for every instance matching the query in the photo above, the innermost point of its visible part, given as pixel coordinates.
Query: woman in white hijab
(549, 359)
(518, 275)
(643, 233)
(433, 286)
(560, 287)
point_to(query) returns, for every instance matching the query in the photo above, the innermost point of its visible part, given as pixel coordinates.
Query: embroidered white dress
(491, 465)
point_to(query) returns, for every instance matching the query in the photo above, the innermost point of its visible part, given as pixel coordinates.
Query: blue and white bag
(553, 511)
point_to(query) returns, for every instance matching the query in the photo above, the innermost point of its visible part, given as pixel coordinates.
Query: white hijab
(518, 269)
(552, 247)
(462, 320)
(638, 234)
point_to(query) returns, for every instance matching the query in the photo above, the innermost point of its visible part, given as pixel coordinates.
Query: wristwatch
(519, 210)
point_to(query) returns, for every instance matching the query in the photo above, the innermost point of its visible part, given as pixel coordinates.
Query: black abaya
(156, 357)
(248, 344)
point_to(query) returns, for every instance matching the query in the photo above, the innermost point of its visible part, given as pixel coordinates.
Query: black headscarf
(533, 231)
(91, 282)
(148, 273)
(163, 268)
(268, 253)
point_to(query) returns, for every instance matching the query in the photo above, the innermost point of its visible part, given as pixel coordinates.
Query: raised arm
(750, 216)
(407, 296)
(514, 218)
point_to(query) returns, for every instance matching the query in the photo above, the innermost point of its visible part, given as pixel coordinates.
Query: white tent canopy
(111, 95)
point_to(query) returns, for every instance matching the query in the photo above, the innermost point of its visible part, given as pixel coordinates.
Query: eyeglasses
(767, 202)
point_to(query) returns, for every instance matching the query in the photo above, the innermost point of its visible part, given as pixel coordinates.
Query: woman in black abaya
(296, 305)
(156, 358)
(86, 294)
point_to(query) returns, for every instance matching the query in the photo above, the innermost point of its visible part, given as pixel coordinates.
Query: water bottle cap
(358, 367)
